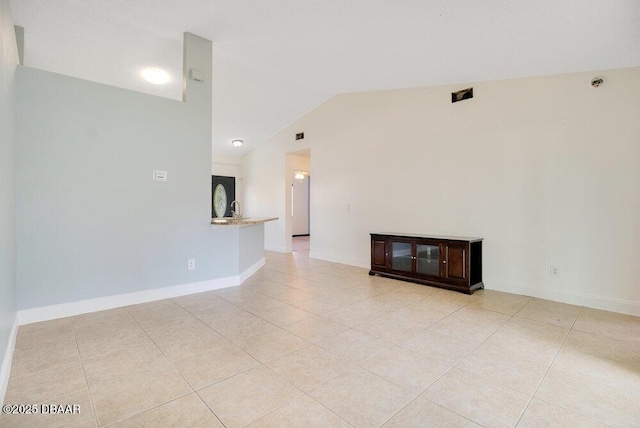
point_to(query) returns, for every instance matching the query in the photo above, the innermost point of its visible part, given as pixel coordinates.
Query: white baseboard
(251, 270)
(5, 368)
(352, 262)
(46, 313)
(597, 302)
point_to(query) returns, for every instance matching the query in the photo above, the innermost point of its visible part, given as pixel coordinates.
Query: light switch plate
(159, 175)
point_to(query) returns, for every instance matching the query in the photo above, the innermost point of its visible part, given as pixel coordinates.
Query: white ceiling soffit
(275, 60)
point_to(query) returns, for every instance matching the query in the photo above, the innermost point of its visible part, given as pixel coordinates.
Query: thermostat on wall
(159, 175)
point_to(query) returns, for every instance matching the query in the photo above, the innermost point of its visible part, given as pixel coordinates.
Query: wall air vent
(300, 136)
(464, 94)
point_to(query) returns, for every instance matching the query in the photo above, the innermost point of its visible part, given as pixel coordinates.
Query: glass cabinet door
(401, 256)
(428, 259)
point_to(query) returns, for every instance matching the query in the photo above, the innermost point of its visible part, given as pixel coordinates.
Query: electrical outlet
(191, 264)
(554, 272)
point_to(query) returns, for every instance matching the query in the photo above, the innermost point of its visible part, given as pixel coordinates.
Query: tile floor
(307, 343)
(301, 243)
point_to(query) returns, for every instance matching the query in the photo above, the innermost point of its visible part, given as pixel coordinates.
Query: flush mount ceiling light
(156, 76)
(236, 143)
(299, 175)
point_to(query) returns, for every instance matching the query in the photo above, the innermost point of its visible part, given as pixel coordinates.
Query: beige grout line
(549, 368)
(84, 372)
(457, 362)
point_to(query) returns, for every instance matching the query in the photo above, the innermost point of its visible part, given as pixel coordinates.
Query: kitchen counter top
(228, 221)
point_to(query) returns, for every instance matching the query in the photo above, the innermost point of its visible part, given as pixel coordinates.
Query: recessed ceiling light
(236, 143)
(156, 76)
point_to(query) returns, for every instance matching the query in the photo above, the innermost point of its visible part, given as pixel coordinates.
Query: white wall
(544, 169)
(8, 62)
(91, 221)
(265, 185)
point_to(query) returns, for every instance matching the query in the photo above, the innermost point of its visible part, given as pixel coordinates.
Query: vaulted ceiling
(274, 60)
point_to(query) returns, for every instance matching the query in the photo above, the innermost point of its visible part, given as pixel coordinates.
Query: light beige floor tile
(362, 398)
(387, 302)
(355, 314)
(315, 328)
(409, 369)
(271, 344)
(215, 364)
(470, 325)
(419, 314)
(49, 354)
(446, 301)
(120, 364)
(188, 411)
(431, 343)
(601, 359)
(319, 305)
(504, 369)
(422, 413)
(530, 340)
(281, 315)
(140, 391)
(234, 323)
(408, 293)
(248, 396)
(602, 402)
(276, 276)
(282, 292)
(497, 301)
(260, 303)
(187, 341)
(543, 414)
(478, 399)
(247, 298)
(101, 319)
(46, 384)
(158, 319)
(44, 333)
(394, 327)
(97, 340)
(354, 295)
(549, 312)
(241, 292)
(303, 412)
(200, 301)
(595, 376)
(156, 304)
(309, 368)
(610, 324)
(50, 414)
(354, 346)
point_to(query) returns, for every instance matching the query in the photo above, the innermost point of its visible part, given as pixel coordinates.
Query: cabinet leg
(371, 273)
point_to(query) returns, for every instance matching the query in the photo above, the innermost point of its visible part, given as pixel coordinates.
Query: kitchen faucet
(236, 214)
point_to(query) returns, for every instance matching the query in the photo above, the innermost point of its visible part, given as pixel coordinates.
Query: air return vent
(464, 94)
(300, 136)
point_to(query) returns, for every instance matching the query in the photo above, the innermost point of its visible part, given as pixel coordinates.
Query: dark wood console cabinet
(448, 262)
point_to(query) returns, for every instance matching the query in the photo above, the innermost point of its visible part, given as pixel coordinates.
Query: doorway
(300, 206)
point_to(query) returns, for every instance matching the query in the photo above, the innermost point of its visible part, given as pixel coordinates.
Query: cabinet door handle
(444, 261)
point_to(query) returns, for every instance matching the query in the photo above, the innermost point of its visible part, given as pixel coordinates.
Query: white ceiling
(274, 60)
